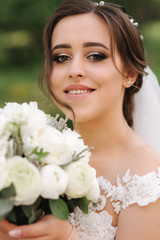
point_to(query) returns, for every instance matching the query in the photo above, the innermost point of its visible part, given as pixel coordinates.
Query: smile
(78, 91)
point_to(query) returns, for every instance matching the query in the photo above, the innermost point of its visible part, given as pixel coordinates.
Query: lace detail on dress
(129, 189)
(133, 189)
(94, 225)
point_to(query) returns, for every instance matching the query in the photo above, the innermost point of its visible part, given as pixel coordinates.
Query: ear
(130, 78)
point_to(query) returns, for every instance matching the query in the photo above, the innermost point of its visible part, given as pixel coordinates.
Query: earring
(129, 82)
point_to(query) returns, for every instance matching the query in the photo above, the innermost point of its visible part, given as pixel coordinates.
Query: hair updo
(124, 35)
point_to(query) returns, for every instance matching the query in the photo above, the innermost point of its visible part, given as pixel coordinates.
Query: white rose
(81, 177)
(60, 154)
(3, 176)
(15, 113)
(36, 117)
(22, 114)
(3, 123)
(94, 191)
(26, 178)
(51, 140)
(76, 144)
(10, 149)
(55, 181)
(4, 148)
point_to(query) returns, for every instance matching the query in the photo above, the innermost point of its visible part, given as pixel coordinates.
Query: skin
(87, 65)
(97, 113)
(48, 228)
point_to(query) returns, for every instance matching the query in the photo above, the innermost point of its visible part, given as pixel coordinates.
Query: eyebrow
(92, 44)
(61, 46)
(85, 45)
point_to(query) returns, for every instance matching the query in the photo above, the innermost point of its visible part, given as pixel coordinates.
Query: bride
(94, 69)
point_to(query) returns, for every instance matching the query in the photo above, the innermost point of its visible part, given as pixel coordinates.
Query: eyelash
(58, 57)
(95, 57)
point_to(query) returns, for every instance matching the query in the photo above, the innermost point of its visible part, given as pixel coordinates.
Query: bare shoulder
(142, 216)
(140, 160)
(140, 223)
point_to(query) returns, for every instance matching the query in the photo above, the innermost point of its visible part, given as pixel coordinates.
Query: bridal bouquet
(43, 166)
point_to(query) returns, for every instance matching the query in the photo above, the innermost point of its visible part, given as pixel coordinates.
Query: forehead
(82, 27)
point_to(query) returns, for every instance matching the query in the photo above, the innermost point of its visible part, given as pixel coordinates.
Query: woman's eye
(97, 57)
(61, 58)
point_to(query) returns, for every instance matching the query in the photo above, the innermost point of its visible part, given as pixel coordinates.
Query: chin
(83, 118)
(80, 115)
(78, 118)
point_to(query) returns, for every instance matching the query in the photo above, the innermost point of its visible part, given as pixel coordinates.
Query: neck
(104, 135)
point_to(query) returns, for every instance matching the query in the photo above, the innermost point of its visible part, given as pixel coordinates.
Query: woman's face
(83, 74)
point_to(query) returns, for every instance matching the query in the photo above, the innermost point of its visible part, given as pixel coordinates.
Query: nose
(77, 69)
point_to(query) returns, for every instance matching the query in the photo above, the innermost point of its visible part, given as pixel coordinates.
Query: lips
(78, 89)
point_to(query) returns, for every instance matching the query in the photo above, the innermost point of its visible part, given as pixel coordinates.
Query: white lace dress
(128, 190)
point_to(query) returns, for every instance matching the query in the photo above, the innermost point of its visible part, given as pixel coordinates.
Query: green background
(21, 49)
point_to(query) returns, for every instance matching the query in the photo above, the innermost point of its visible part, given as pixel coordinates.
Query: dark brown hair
(125, 37)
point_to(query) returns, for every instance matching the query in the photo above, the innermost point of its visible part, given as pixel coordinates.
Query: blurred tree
(26, 14)
(21, 28)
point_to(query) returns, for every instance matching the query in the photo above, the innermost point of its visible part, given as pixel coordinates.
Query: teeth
(78, 91)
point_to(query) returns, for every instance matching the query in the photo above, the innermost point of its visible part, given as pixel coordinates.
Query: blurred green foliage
(21, 50)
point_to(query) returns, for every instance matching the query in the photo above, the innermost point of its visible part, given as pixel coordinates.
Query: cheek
(105, 73)
(56, 79)
(111, 87)
(109, 78)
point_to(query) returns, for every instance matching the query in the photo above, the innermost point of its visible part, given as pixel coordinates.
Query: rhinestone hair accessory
(133, 22)
(136, 25)
(101, 3)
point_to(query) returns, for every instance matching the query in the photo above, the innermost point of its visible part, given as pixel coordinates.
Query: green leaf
(11, 217)
(35, 216)
(59, 208)
(76, 157)
(37, 203)
(71, 204)
(3, 216)
(6, 206)
(8, 192)
(83, 204)
(28, 210)
(40, 153)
